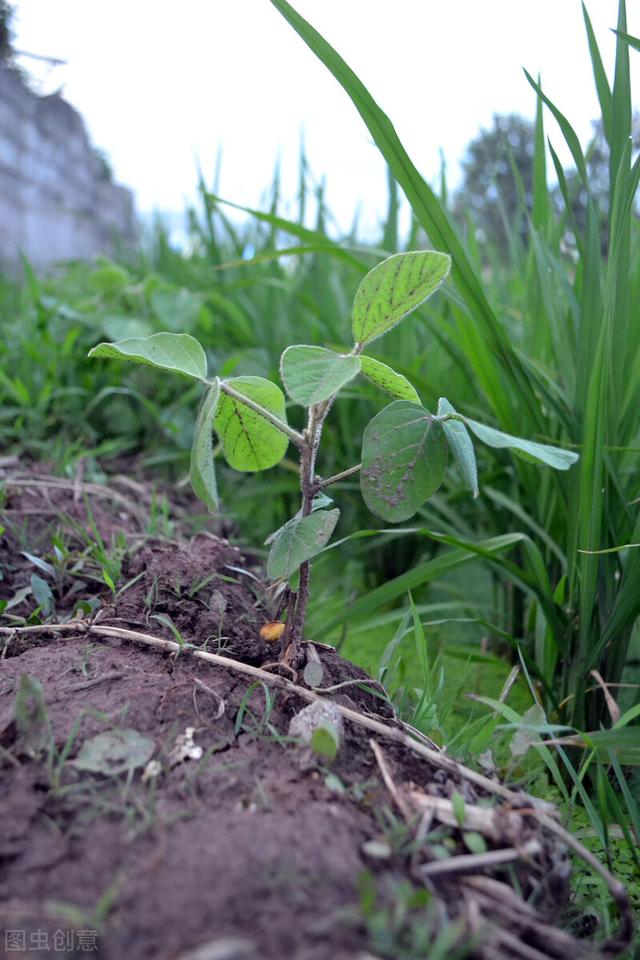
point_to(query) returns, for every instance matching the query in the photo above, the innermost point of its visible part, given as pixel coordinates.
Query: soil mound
(158, 805)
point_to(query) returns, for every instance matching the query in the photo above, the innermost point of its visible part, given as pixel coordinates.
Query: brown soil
(257, 849)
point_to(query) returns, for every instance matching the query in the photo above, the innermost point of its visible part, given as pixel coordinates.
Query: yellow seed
(271, 632)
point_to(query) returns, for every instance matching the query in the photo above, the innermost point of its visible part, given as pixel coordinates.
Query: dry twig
(470, 862)
(385, 773)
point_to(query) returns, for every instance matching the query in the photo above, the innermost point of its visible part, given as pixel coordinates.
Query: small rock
(184, 748)
(315, 715)
(376, 850)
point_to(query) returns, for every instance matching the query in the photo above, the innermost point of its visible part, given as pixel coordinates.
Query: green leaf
(298, 540)
(599, 75)
(457, 804)
(474, 842)
(166, 621)
(176, 308)
(108, 579)
(41, 564)
(404, 456)
(117, 327)
(42, 593)
(625, 743)
(627, 717)
(632, 41)
(177, 352)
(541, 200)
(527, 735)
(388, 380)
(202, 471)
(313, 374)
(19, 597)
(109, 278)
(461, 446)
(319, 502)
(394, 288)
(325, 740)
(554, 457)
(113, 753)
(568, 132)
(250, 442)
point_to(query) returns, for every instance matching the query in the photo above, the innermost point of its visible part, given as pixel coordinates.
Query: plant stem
(307, 443)
(293, 435)
(308, 489)
(337, 477)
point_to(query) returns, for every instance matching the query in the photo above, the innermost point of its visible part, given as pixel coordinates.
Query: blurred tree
(597, 157)
(6, 34)
(490, 192)
(496, 189)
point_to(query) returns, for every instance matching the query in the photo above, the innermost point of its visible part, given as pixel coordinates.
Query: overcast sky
(162, 84)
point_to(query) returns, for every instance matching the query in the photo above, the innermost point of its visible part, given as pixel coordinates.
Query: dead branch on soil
(497, 824)
(95, 682)
(220, 703)
(470, 862)
(488, 903)
(385, 773)
(77, 488)
(498, 900)
(542, 812)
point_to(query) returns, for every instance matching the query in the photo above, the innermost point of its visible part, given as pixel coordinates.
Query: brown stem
(337, 477)
(308, 488)
(291, 607)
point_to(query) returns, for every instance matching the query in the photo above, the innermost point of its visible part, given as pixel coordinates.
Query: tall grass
(569, 372)
(551, 346)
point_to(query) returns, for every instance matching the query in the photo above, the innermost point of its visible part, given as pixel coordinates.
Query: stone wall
(56, 201)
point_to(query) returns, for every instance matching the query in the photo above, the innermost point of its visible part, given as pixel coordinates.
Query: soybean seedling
(404, 447)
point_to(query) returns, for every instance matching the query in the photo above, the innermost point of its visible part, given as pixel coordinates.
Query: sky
(163, 86)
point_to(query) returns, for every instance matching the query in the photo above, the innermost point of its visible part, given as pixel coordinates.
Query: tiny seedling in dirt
(404, 448)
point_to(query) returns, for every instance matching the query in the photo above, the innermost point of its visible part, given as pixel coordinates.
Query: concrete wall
(55, 201)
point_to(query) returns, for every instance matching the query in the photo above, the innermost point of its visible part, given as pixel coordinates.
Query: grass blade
(311, 237)
(599, 75)
(422, 574)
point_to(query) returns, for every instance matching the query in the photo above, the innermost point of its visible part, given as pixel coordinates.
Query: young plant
(404, 448)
